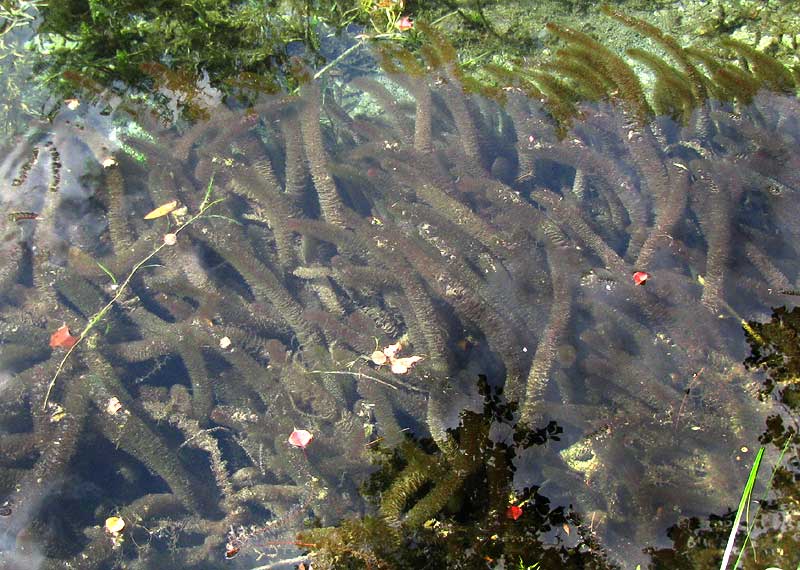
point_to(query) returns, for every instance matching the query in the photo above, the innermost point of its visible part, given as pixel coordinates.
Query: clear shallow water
(500, 244)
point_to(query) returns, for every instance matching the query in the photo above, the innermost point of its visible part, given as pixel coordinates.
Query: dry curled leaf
(389, 356)
(62, 338)
(162, 210)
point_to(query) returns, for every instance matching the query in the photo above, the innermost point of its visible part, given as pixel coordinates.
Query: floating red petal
(514, 512)
(640, 277)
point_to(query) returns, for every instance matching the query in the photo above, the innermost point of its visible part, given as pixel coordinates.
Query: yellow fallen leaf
(114, 525)
(162, 210)
(701, 280)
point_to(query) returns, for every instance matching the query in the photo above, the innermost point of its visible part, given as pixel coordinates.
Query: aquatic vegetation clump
(457, 507)
(488, 231)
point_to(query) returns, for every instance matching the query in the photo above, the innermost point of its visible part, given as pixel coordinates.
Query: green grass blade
(107, 271)
(764, 498)
(743, 502)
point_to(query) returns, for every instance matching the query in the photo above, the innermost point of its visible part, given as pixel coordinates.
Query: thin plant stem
(368, 377)
(339, 58)
(353, 48)
(98, 316)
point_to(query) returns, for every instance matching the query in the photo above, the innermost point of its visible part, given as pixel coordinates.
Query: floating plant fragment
(162, 210)
(300, 438)
(62, 338)
(640, 277)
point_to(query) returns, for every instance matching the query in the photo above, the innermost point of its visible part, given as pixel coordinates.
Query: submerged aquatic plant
(495, 232)
(449, 508)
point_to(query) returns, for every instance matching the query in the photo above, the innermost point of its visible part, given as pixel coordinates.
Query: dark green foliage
(236, 43)
(775, 346)
(472, 527)
(594, 72)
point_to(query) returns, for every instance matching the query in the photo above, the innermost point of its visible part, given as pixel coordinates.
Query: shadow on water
(348, 260)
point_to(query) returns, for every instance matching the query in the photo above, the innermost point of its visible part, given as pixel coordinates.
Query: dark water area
(405, 315)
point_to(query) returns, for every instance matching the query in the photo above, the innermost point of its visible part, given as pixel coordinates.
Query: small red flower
(640, 277)
(513, 512)
(300, 438)
(62, 339)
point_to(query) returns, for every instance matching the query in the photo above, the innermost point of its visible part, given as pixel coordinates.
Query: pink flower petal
(404, 24)
(300, 438)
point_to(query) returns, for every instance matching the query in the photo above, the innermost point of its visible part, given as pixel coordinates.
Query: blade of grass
(743, 502)
(107, 272)
(752, 524)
